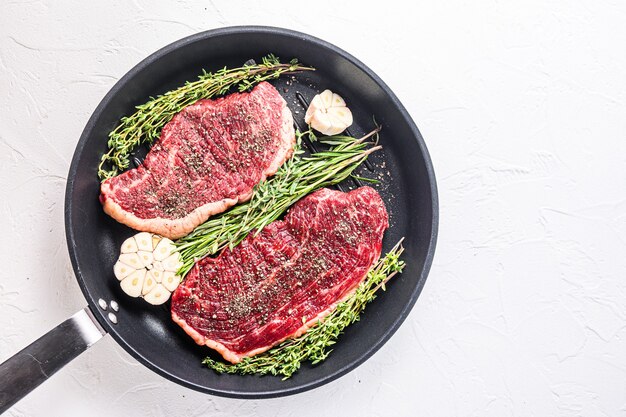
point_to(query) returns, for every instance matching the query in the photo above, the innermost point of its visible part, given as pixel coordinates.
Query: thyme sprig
(296, 178)
(144, 126)
(315, 345)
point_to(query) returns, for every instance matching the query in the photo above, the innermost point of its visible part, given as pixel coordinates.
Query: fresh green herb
(295, 179)
(314, 345)
(365, 179)
(144, 126)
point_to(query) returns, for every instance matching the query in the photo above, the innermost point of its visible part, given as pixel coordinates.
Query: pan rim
(227, 31)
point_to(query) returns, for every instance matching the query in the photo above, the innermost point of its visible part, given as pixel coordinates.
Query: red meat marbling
(277, 284)
(208, 158)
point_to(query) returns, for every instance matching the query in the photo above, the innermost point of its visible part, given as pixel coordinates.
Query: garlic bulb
(328, 114)
(147, 267)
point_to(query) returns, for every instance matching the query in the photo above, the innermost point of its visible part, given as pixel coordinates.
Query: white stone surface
(522, 105)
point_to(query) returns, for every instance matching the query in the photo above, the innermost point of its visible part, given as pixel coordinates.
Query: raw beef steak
(208, 158)
(278, 284)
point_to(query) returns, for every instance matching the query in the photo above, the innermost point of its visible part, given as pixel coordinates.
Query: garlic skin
(147, 267)
(328, 113)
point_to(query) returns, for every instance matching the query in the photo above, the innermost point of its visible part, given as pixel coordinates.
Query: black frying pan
(147, 332)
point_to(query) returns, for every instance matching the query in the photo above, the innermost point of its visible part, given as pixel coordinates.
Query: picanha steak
(208, 158)
(277, 284)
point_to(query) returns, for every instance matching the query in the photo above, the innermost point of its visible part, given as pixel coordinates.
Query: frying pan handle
(34, 364)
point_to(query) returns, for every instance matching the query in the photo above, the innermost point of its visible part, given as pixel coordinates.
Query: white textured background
(523, 107)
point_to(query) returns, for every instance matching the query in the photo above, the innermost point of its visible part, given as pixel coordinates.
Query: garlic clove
(327, 98)
(156, 275)
(342, 114)
(334, 129)
(172, 263)
(156, 265)
(337, 101)
(133, 284)
(148, 284)
(337, 124)
(163, 250)
(316, 104)
(170, 281)
(129, 245)
(146, 258)
(158, 295)
(121, 270)
(155, 240)
(144, 241)
(321, 123)
(131, 259)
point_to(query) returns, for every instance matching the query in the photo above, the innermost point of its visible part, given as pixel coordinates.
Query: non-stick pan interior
(403, 168)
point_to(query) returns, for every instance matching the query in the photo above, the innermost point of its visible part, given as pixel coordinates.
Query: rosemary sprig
(314, 345)
(144, 126)
(295, 179)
